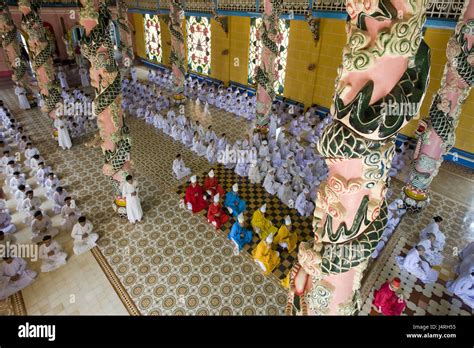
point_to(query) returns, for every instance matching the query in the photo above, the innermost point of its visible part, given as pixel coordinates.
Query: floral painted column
(41, 56)
(439, 134)
(385, 61)
(177, 49)
(126, 32)
(266, 72)
(97, 47)
(11, 46)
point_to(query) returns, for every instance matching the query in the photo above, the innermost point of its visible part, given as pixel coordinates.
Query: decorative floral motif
(199, 44)
(153, 37)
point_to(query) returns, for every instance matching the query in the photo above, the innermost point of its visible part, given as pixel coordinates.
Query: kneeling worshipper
(265, 257)
(179, 169)
(466, 266)
(59, 197)
(30, 206)
(211, 185)
(254, 173)
(303, 204)
(433, 227)
(387, 300)
(415, 264)
(52, 255)
(69, 213)
(285, 238)
(194, 198)
(6, 223)
(42, 226)
(6, 239)
(463, 287)
(64, 140)
(14, 276)
(84, 238)
(261, 225)
(432, 255)
(239, 234)
(234, 204)
(215, 214)
(133, 205)
(467, 251)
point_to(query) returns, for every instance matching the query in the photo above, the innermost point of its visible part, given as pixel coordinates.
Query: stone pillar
(439, 134)
(41, 56)
(385, 61)
(97, 47)
(11, 46)
(177, 49)
(266, 72)
(126, 35)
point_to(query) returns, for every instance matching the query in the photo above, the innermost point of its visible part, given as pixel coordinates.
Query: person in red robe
(212, 187)
(386, 299)
(215, 214)
(194, 199)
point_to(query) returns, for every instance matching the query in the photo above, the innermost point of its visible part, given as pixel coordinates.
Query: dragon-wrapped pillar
(177, 49)
(126, 33)
(97, 47)
(385, 61)
(11, 46)
(266, 72)
(41, 56)
(438, 136)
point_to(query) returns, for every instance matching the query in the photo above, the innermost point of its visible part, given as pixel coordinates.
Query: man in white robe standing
(62, 78)
(14, 276)
(84, 77)
(130, 192)
(64, 139)
(22, 99)
(52, 255)
(84, 238)
(414, 264)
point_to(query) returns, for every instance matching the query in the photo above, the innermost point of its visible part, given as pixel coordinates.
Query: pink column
(41, 57)
(266, 72)
(177, 49)
(126, 32)
(385, 61)
(97, 47)
(439, 135)
(11, 46)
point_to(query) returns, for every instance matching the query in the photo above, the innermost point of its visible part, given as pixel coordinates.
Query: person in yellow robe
(285, 237)
(261, 225)
(265, 257)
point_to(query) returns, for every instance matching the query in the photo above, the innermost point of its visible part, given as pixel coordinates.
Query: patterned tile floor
(175, 263)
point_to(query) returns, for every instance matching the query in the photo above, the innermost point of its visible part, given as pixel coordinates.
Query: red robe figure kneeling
(386, 299)
(194, 199)
(212, 187)
(215, 215)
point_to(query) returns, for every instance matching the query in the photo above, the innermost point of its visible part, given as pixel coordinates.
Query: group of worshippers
(14, 273)
(210, 195)
(426, 253)
(463, 285)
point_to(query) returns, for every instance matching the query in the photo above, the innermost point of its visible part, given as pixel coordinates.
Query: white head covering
(312, 145)
(235, 187)
(306, 191)
(211, 173)
(264, 142)
(302, 175)
(216, 198)
(285, 165)
(240, 217)
(269, 239)
(268, 158)
(287, 220)
(263, 208)
(193, 179)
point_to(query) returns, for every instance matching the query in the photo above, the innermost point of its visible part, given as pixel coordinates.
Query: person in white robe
(42, 174)
(14, 276)
(179, 168)
(198, 146)
(303, 204)
(463, 287)
(84, 77)
(254, 173)
(6, 224)
(22, 98)
(466, 266)
(414, 264)
(16, 180)
(69, 214)
(84, 238)
(42, 226)
(276, 158)
(282, 173)
(59, 197)
(286, 194)
(431, 255)
(273, 125)
(433, 227)
(6, 239)
(64, 140)
(211, 152)
(51, 254)
(263, 150)
(51, 183)
(130, 192)
(34, 164)
(62, 79)
(269, 183)
(30, 206)
(30, 151)
(467, 251)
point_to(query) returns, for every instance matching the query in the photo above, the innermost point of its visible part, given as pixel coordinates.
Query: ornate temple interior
(237, 158)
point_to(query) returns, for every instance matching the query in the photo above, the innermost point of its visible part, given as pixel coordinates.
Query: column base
(415, 200)
(120, 206)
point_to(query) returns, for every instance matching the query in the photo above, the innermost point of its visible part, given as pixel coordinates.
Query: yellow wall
(219, 62)
(239, 31)
(139, 36)
(165, 43)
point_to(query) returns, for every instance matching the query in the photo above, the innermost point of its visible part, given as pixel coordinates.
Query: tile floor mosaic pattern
(255, 196)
